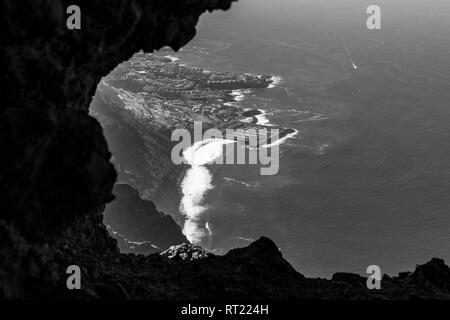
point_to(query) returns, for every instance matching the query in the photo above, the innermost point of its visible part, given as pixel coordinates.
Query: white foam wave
(246, 184)
(196, 183)
(172, 58)
(280, 141)
(239, 94)
(231, 104)
(245, 239)
(262, 118)
(276, 80)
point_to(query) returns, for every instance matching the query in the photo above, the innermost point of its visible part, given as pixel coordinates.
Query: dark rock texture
(139, 221)
(55, 163)
(55, 174)
(185, 252)
(255, 272)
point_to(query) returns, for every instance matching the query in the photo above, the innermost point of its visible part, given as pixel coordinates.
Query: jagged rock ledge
(136, 223)
(186, 252)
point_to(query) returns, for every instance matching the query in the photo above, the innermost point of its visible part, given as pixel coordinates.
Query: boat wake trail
(347, 52)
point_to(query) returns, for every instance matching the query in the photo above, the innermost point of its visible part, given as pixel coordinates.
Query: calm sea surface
(367, 179)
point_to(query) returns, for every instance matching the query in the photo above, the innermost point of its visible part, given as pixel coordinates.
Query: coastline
(259, 115)
(261, 118)
(276, 80)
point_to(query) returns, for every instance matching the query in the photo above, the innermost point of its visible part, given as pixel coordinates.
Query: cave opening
(138, 105)
(144, 216)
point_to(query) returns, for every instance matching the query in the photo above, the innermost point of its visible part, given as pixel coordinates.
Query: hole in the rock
(130, 105)
(139, 105)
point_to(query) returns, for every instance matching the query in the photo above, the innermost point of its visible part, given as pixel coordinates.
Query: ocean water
(367, 178)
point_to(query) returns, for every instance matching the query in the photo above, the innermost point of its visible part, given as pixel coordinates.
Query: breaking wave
(276, 80)
(196, 183)
(262, 118)
(245, 184)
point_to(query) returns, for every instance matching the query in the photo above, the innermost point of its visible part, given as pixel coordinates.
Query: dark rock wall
(54, 163)
(139, 220)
